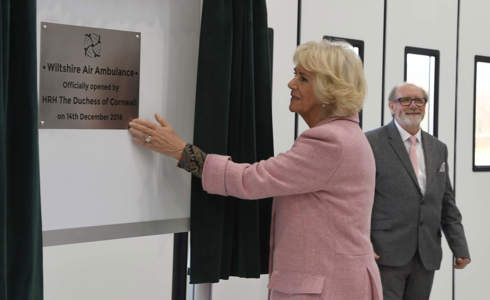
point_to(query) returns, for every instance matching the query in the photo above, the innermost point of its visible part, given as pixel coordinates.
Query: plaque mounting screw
(45, 26)
(137, 36)
(42, 123)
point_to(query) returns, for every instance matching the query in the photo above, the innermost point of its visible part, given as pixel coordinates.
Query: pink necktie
(413, 154)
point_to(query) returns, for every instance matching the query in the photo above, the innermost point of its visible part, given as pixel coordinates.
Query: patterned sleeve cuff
(192, 160)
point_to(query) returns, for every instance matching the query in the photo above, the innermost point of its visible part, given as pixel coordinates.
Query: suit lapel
(396, 143)
(427, 144)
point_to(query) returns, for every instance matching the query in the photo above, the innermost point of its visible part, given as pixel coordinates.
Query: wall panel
(282, 16)
(432, 25)
(472, 187)
(100, 177)
(360, 20)
(125, 269)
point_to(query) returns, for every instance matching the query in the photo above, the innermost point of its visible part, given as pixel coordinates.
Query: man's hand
(376, 256)
(461, 262)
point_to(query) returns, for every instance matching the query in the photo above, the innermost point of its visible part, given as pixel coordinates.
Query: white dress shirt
(421, 176)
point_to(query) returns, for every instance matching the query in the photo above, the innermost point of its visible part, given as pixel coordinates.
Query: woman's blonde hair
(339, 77)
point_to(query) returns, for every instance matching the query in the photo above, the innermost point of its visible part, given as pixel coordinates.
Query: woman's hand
(160, 138)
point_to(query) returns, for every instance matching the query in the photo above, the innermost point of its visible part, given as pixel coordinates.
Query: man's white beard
(411, 121)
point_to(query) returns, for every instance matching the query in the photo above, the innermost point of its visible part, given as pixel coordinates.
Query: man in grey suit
(413, 201)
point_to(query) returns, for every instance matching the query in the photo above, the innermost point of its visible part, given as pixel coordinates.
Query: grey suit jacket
(403, 220)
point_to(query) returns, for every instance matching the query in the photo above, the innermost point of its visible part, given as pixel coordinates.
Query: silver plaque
(89, 77)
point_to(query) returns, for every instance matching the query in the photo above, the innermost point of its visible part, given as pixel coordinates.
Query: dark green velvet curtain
(21, 276)
(230, 237)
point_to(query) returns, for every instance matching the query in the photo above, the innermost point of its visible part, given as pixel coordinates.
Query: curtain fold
(229, 236)
(21, 276)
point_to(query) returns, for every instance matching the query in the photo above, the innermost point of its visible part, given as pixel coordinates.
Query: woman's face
(303, 98)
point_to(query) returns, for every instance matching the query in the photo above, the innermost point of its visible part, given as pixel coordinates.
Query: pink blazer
(320, 231)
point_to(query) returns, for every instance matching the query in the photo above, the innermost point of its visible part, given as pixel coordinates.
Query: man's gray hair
(392, 95)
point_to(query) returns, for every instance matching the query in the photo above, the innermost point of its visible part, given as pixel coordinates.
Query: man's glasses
(406, 101)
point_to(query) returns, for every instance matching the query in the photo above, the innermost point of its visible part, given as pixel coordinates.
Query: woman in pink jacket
(323, 186)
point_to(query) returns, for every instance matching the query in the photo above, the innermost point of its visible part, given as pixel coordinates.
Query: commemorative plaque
(89, 77)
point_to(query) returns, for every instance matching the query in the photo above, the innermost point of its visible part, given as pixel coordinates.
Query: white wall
(125, 269)
(282, 17)
(472, 188)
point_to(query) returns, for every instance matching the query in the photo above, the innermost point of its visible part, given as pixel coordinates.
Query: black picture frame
(436, 54)
(359, 44)
(482, 59)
